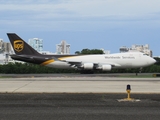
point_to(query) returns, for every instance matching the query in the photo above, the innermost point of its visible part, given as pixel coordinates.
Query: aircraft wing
(87, 65)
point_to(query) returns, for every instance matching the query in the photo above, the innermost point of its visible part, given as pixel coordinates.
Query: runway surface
(78, 107)
(79, 85)
(79, 98)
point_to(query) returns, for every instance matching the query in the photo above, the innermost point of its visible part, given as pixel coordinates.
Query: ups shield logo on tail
(18, 45)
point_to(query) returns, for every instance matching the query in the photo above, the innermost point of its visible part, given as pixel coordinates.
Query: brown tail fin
(20, 46)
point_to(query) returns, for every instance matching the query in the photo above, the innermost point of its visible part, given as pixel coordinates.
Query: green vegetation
(27, 68)
(88, 51)
(136, 76)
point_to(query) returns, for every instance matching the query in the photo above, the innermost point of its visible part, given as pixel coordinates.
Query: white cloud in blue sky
(125, 22)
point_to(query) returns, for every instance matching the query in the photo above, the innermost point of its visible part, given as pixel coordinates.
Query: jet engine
(88, 66)
(106, 67)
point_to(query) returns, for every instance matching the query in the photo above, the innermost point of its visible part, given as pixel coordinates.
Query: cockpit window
(145, 54)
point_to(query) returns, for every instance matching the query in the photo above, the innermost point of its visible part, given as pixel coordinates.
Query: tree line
(89, 51)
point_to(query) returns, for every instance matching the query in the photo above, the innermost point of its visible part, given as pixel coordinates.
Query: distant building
(5, 50)
(1, 46)
(63, 48)
(105, 51)
(36, 43)
(5, 47)
(141, 48)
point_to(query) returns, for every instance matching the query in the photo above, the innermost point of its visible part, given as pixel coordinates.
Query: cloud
(74, 14)
(85, 7)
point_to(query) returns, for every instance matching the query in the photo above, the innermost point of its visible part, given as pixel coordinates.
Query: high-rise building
(36, 43)
(5, 50)
(1, 46)
(63, 48)
(141, 48)
(5, 47)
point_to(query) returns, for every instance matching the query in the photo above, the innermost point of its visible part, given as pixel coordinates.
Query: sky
(92, 24)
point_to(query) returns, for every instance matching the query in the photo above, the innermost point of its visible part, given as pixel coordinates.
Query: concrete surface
(79, 85)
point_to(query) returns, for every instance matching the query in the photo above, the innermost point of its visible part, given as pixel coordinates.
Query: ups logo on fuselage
(18, 45)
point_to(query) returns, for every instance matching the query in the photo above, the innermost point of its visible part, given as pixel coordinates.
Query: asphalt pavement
(78, 107)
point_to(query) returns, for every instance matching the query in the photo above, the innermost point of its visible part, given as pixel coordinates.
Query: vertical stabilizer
(20, 46)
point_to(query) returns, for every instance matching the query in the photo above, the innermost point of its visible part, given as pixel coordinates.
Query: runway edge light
(128, 89)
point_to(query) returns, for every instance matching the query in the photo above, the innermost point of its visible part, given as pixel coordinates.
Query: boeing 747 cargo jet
(104, 62)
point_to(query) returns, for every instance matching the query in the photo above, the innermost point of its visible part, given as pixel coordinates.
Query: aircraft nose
(153, 61)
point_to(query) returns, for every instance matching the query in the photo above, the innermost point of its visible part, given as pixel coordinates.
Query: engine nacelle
(106, 67)
(88, 66)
